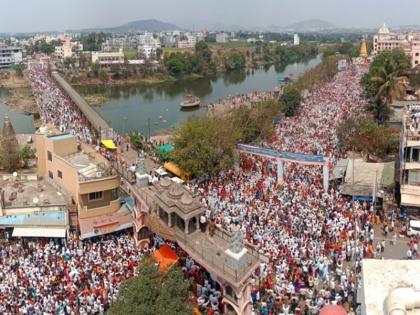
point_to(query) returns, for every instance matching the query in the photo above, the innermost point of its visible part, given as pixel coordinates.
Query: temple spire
(363, 49)
(9, 146)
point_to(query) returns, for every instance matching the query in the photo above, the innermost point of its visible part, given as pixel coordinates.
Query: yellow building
(363, 49)
(88, 179)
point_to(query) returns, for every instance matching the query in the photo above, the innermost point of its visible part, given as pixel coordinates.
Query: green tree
(380, 111)
(366, 136)
(391, 86)
(153, 293)
(95, 69)
(389, 63)
(103, 75)
(19, 69)
(26, 153)
(290, 99)
(205, 145)
(93, 41)
(235, 60)
(204, 59)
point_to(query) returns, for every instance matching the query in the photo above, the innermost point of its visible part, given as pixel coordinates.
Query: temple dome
(175, 191)
(164, 182)
(383, 30)
(186, 199)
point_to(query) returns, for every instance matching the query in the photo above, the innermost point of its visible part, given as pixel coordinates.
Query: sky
(59, 15)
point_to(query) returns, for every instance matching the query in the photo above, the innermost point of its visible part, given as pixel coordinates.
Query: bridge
(281, 157)
(96, 122)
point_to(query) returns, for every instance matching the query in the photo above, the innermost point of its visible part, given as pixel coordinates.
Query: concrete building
(108, 58)
(390, 287)
(221, 37)
(86, 176)
(410, 157)
(409, 42)
(10, 56)
(296, 40)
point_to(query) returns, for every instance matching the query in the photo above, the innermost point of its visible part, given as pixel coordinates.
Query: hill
(151, 25)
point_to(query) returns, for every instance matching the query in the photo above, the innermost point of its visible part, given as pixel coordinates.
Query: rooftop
(380, 277)
(31, 194)
(87, 166)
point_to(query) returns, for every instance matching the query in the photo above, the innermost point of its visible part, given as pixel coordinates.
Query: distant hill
(310, 25)
(140, 25)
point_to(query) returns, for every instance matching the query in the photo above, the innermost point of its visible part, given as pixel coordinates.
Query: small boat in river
(190, 101)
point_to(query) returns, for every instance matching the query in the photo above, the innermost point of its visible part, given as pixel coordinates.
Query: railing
(201, 253)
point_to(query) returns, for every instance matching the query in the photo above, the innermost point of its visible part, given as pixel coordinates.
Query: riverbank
(19, 95)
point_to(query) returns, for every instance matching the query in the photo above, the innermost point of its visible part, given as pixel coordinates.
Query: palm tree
(391, 85)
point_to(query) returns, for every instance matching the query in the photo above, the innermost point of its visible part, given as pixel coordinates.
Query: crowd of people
(56, 108)
(315, 239)
(77, 277)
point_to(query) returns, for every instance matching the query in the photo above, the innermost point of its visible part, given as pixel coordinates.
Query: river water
(131, 108)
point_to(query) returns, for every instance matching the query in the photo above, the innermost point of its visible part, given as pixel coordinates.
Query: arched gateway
(280, 157)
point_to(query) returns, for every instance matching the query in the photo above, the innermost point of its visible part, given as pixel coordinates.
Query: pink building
(409, 42)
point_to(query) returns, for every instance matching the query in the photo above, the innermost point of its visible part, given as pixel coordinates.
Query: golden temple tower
(363, 49)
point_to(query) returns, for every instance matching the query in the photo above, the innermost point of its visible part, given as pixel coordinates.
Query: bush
(290, 101)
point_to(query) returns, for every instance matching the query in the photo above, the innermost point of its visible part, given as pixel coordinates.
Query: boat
(190, 101)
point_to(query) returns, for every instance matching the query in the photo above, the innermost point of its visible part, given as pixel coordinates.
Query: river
(130, 108)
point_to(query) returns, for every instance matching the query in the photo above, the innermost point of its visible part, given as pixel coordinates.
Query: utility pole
(148, 126)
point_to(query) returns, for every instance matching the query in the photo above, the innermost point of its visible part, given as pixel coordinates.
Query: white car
(413, 228)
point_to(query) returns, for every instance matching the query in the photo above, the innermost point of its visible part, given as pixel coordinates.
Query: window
(49, 156)
(59, 174)
(95, 196)
(114, 194)
(50, 174)
(417, 54)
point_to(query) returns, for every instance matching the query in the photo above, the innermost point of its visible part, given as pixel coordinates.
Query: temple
(9, 145)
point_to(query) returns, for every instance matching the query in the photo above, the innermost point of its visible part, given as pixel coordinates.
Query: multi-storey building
(108, 58)
(10, 56)
(296, 40)
(221, 37)
(410, 157)
(408, 42)
(86, 176)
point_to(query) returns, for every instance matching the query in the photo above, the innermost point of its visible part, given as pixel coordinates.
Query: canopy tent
(109, 144)
(174, 169)
(166, 148)
(166, 257)
(332, 310)
(39, 232)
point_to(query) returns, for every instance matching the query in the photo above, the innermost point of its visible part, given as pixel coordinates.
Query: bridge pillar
(325, 173)
(279, 171)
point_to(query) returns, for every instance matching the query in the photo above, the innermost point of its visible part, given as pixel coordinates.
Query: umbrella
(332, 310)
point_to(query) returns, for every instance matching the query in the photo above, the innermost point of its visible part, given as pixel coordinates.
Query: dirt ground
(21, 99)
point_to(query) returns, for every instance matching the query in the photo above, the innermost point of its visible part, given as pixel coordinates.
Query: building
(389, 287)
(408, 42)
(10, 56)
(221, 38)
(410, 157)
(108, 58)
(29, 207)
(87, 177)
(296, 40)
(68, 49)
(147, 51)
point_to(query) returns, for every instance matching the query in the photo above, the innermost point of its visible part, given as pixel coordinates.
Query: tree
(205, 145)
(204, 60)
(290, 99)
(19, 69)
(93, 41)
(393, 63)
(235, 60)
(380, 111)
(96, 68)
(366, 136)
(391, 86)
(26, 153)
(153, 293)
(103, 75)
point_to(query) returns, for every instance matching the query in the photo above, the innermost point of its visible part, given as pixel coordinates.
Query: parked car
(413, 228)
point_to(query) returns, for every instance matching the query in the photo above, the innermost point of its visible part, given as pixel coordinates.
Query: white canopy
(39, 232)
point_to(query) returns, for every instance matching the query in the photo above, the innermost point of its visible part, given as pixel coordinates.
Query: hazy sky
(41, 15)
